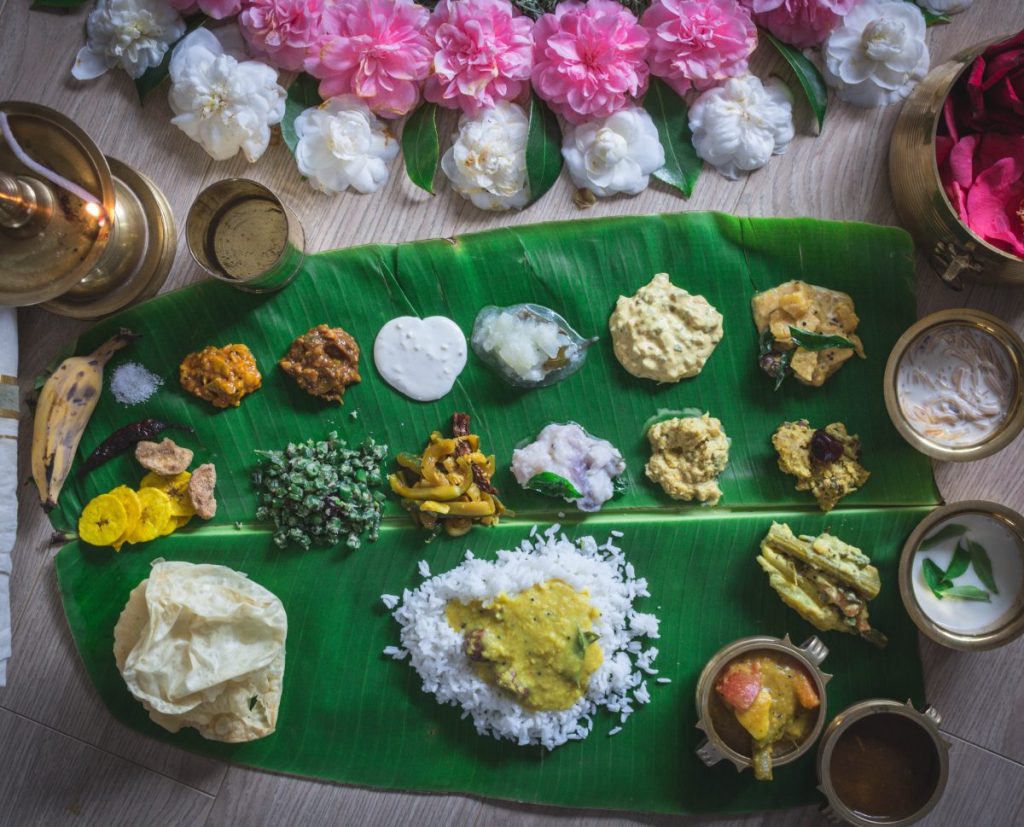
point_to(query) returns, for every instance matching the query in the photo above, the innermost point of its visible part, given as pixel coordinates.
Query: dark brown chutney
(885, 766)
(323, 361)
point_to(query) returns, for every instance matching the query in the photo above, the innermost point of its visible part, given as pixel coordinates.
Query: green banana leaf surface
(348, 713)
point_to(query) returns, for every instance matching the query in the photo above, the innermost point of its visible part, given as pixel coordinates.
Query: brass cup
(953, 250)
(1012, 346)
(240, 232)
(929, 721)
(991, 639)
(810, 654)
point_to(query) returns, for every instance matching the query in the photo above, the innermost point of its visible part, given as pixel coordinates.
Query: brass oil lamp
(81, 255)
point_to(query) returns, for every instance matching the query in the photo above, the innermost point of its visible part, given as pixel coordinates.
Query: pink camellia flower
(281, 31)
(983, 176)
(800, 23)
(697, 43)
(375, 50)
(588, 60)
(217, 9)
(484, 54)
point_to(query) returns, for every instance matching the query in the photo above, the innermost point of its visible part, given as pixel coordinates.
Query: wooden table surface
(63, 759)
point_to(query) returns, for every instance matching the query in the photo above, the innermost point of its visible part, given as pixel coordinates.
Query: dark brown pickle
(324, 361)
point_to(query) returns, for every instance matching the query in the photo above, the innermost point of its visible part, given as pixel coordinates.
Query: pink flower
(217, 9)
(697, 43)
(484, 54)
(800, 23)
(588, 60)
(375, 50)
(281, 30)
(983, 176)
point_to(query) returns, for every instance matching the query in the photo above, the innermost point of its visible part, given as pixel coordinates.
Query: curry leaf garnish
(582, 641)
(968, 593)
(809, 340)
(959, 564)
(421, 146)
(553, 485)
(935, 577)
(947, 532)
(982, 565)
(303, 94)
(773, 361)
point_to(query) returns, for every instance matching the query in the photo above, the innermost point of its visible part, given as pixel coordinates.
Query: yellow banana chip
(176, 488)
(102, 521)
(132, 509)
(154, 515)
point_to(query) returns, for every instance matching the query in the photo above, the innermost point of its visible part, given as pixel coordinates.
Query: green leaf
(777, 367)
(57, 5)
(809, 340)
(968, 593)
(543, 149)
(935, 577)
(663, 414)
(982, 565)
(421, 146)
(670, 115)
(807, 73)
(153, 77)
(553, 485)
(303, 94)
(931, 18)
(959, 564)
(947, 532)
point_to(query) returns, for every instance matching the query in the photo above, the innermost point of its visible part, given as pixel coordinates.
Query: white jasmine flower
(878, 54)
(945, 6)
(487, 162)
(342, 144)
(614, 154)
(738, 126)
(132, 34)
(224, 104)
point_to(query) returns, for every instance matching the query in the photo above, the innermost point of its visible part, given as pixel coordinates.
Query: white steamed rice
(435, 649)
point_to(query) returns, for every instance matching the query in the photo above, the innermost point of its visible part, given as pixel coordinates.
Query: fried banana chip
(154, 515)
(130, 501)
(176, 489)
(102, 521)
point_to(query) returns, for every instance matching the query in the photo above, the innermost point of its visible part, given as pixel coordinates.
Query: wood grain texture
(841, 175)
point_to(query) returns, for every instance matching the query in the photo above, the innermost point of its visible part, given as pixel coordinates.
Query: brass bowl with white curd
(953, 385)
(717, 746)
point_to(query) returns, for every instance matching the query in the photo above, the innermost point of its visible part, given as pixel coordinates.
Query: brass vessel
(76, 258)
(954, 252)
(929, 720)
(810, 654)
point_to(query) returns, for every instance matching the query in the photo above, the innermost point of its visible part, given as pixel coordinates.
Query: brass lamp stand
(77, 258)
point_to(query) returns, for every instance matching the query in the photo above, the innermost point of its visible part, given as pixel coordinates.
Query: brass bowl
(1012, 345)
(953, 250)
(715, 747)
(1009, 631)
(928, 721)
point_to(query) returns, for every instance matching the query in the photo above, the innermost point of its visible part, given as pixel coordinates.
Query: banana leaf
(351, 715)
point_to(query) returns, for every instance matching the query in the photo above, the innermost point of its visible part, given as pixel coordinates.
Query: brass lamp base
(138, 257)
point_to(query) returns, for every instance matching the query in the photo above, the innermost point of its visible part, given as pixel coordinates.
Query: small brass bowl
(954, 251)
(1012, 424)
(928, 721)
(717, 746)
(990, 639)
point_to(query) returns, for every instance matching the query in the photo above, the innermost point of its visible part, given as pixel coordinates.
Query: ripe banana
(65, 404)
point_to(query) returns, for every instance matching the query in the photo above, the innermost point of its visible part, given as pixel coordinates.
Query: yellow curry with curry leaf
(538, 646)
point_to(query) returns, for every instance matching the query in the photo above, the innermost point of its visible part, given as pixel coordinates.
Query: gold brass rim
(748, 645)
(857, 712)
(957, 640)
(1012, 344)
(156, 263)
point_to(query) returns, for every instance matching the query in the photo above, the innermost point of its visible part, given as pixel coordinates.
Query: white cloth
(8, 472)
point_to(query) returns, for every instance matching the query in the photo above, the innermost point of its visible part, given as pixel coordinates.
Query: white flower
(616, 154)
(487, 162)
(342, 144)
(945, 6)
(878, 54)
(134, 34)
(738, 126)
(224, 104)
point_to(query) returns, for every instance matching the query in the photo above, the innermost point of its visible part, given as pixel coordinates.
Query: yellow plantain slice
(176, 488)
(102, 521)
(132, 509)
(156, 510)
